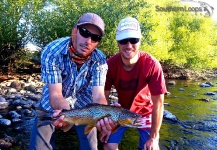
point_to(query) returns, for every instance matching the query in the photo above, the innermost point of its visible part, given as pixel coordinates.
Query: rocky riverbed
(19, 96)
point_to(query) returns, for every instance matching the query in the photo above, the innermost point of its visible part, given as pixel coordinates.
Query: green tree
(58, 21)
(157, 38)
(175, 37)
(194, 41)
(172, 37)
(12, 30)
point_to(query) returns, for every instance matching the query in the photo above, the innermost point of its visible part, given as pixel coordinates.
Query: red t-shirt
(136, 86)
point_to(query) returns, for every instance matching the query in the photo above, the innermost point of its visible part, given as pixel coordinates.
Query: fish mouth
(138, 122)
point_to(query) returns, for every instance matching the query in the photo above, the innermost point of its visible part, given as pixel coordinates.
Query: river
(196, 129)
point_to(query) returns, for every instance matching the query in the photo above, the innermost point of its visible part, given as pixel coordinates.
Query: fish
(92, 113)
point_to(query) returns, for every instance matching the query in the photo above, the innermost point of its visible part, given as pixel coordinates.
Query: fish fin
(44, 117)
(87, 129)
(67, 128)
(115, 129)
(42, 110)
(44, 114)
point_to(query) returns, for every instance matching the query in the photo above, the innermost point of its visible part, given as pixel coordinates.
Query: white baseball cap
(128, 28)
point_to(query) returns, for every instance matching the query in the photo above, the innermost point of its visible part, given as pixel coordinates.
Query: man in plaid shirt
(74, 73)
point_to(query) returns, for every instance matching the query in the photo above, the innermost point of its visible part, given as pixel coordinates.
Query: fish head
(129, 119)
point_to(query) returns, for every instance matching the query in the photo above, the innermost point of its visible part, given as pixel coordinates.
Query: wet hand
(116, 104)
(105, 126)
(59, 123)
(152, 144)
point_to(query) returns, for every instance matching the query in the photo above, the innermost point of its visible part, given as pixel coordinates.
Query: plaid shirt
(57, 67)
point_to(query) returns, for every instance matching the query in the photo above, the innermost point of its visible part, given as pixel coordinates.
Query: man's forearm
(157, 116)
(99, 95)
(58, 102)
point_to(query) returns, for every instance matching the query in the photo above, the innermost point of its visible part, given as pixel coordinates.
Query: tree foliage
(173, 37)
(194, 41)
(11, 34)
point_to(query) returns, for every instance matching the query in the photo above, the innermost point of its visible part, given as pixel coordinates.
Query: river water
(195, 130)
(198, 119)
(197, 126)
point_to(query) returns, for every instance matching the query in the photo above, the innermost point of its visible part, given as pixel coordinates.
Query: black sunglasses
(86, 34)
(131, 40)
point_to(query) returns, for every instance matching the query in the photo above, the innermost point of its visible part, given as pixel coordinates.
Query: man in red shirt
(140, 84)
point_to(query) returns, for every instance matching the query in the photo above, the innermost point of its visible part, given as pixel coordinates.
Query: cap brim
(79, 24)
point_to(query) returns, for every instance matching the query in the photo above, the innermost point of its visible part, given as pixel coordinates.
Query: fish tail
(44, 115)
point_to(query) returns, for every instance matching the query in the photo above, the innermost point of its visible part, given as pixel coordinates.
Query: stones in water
(206, 84)
(181, 89)
(204, 99)
(171, 83)
(169, 116)
(14, 114)
(2, 99)
(210, 93)
(3, 105)
(5, 122)
(6, 143)
(16, 120)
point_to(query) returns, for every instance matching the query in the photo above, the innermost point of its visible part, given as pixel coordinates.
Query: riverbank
(175, 72)
(21, 92)
(170, 72)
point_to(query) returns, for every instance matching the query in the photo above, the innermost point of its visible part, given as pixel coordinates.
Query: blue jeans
(117, 136)
(43, 137)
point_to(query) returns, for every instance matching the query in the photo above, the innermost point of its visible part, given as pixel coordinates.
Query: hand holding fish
(59, 123)
(58, 106)
(104, 117)
(105, 126)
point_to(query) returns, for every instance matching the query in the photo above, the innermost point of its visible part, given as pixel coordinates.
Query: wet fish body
(92, 113)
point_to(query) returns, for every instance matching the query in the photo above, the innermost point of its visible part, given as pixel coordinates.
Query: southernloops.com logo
(200, 7)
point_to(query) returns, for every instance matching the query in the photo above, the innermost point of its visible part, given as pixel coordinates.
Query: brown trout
(92, 113)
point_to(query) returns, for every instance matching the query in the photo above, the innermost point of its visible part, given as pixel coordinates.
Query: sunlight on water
(197, 129)
(198, 125)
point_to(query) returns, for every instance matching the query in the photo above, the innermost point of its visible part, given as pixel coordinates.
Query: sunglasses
(131, 40)
(86, 34)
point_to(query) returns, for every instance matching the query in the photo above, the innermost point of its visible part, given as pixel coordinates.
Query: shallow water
(197, 129)
(198, 119)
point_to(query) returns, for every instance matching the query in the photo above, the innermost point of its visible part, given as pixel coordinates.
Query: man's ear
(74, 32)
(74, 36)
